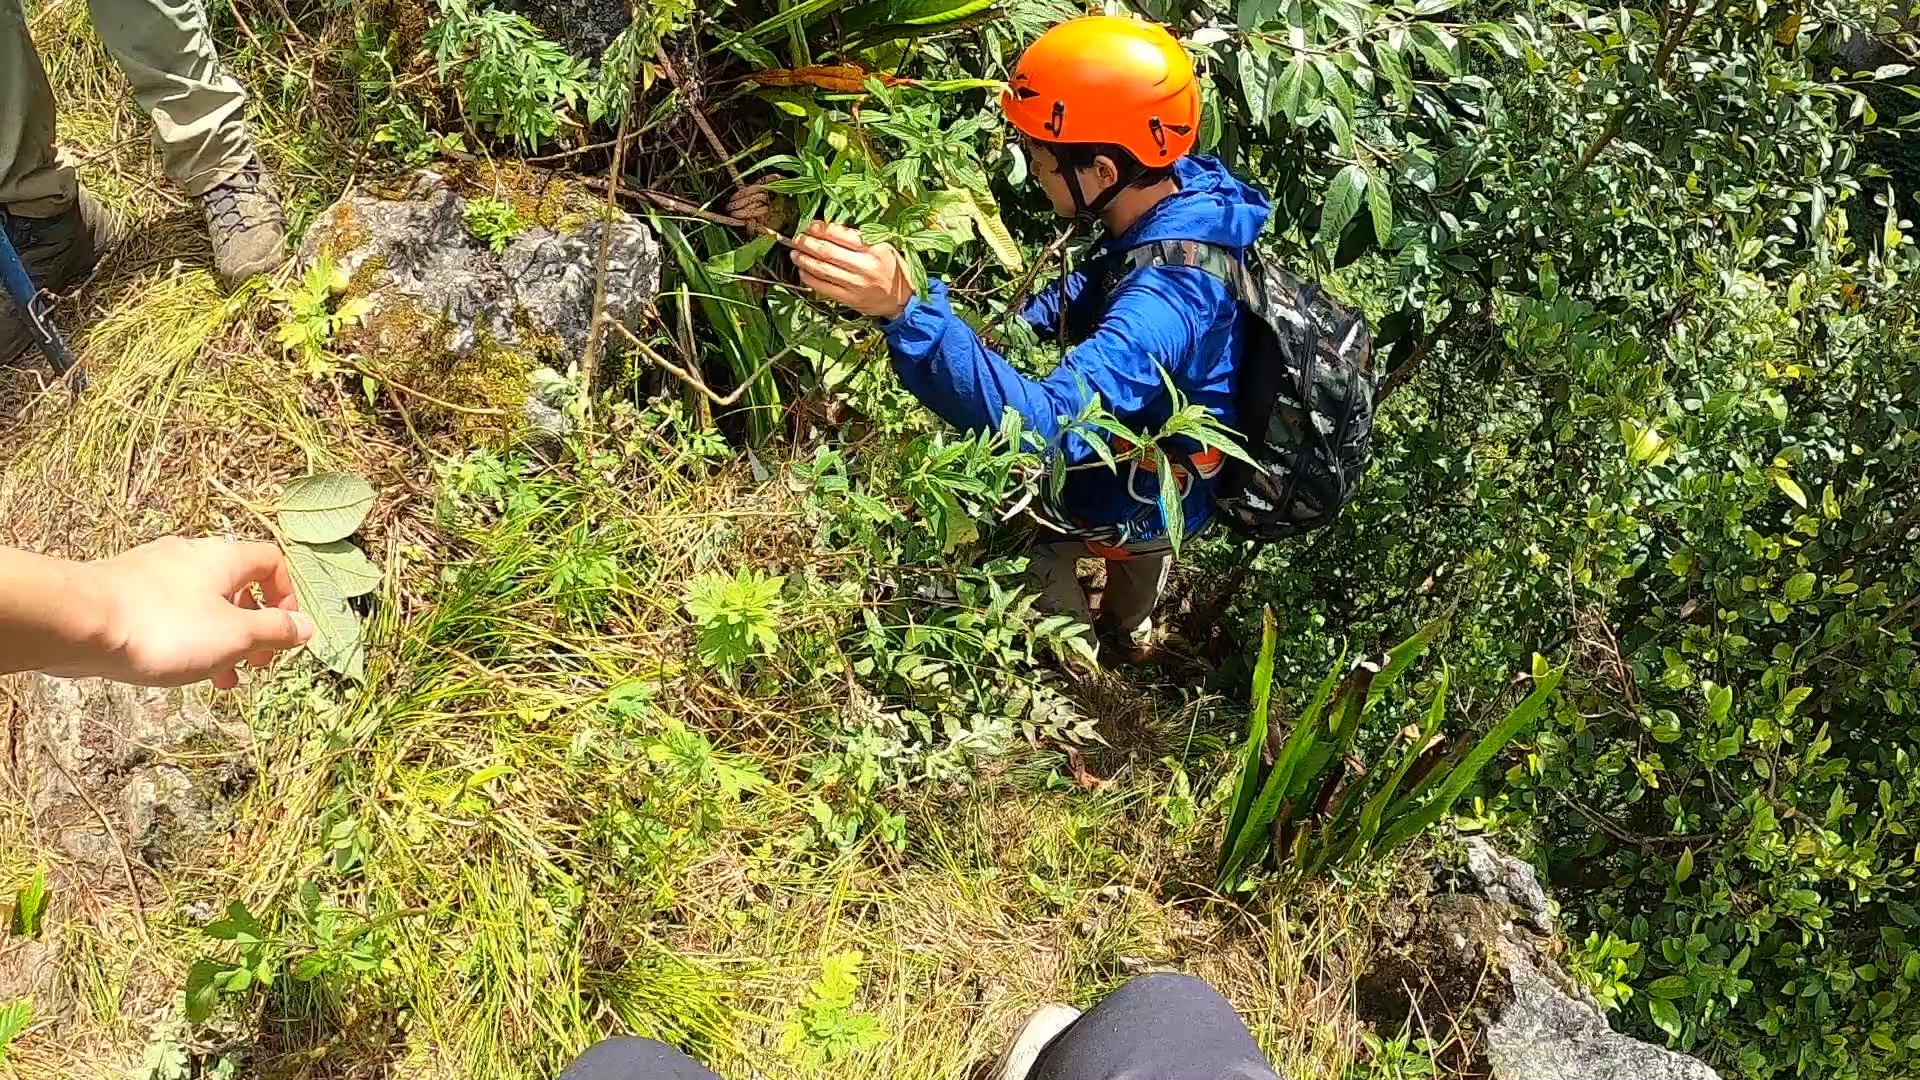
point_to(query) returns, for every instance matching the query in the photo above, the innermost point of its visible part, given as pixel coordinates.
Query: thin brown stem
(681, 206)
(700, 120)
(119, 846)
(596, 326)
(692, 379)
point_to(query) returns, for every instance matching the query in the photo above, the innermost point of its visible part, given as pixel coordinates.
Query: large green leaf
(1380, 202)
(325, 507)
(336, 638)
(352, 573)
(1372, 816)
(1464, 770)
(14, 1018)
(29, 906)
(1400, 658)
(1304, 754)
(1344, 195)
(993, 231)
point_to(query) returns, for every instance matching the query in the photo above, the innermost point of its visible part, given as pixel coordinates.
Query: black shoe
(58, 251)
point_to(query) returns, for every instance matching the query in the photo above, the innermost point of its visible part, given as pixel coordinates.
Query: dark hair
(1078, 156)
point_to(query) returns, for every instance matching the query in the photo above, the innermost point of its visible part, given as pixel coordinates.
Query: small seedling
(493, 222)
(312, 320)
(29, 907)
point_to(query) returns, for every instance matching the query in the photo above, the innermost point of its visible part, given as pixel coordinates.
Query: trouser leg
(1052, 570)
(198, 110)
(634, 1059)
(1133, 591)
(1157, 1027)
(34, 180)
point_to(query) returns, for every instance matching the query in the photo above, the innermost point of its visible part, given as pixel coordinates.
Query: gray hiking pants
(1156, 1027)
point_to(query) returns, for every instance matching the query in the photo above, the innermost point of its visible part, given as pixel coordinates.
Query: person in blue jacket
(1109, 108)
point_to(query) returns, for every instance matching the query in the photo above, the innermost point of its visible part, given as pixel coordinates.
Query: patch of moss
(408, 347)
(361, 283)
(538, 197)
(341, 231)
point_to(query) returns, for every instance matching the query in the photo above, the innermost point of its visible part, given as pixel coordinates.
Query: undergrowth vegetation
(724, 717)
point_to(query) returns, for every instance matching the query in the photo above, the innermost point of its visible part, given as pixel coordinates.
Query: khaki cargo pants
(165, 50)
(1134, 585)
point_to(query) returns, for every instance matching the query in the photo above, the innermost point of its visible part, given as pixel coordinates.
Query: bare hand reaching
(168, 613)
(869, 278)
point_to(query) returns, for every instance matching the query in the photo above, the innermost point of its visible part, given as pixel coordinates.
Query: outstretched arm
(168, 613)
(1149, 322)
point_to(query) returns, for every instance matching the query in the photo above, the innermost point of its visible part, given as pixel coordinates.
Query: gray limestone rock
(412, 253)
(1545, 1034)
(158, 764)
(1454, 953)
(1507, 880)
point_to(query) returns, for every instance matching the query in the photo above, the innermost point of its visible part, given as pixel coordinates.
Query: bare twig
(681, 206)
(1401, 374)
(394, 384)
(1033, 272)
(563, 155)
(119, 847)
(693, 379)
(700, 119)
(1674, 32)
(596, 326)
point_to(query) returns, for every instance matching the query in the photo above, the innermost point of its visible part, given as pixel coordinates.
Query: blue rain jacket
(1177, 317)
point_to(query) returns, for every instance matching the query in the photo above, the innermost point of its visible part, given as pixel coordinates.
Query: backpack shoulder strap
(1218, 261)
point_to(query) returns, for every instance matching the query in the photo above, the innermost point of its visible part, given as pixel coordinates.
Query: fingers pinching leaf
(325, 507)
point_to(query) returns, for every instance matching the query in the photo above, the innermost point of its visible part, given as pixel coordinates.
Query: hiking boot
(57, 251)
(248, 228)
(1042, 1028)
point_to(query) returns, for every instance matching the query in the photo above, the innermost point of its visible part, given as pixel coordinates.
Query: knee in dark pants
(634, 1059)
(1157, 1027)
(1164, 986)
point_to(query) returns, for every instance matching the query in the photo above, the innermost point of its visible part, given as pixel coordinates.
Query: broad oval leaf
(352, 573)
(1665, 1016)
(1671, 988)
(325, 507)
(1790, 489)
(336, 640)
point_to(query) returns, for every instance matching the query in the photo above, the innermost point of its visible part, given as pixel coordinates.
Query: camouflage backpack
(1304, 393)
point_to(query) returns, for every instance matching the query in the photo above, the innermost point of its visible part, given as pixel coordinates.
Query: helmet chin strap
(1084, 209)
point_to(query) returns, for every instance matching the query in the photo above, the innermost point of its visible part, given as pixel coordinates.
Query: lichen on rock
(409, 252)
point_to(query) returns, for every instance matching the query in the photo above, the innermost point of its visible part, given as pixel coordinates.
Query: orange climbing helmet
(1107, 79)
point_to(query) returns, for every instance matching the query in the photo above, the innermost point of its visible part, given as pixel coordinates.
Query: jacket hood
(1212, 206)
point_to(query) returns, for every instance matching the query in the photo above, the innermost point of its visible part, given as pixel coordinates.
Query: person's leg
(199, 119)
(1053, 572)
(1157, 1027)
(634, 1059)
(198, 110)
(34, 181)
(1133, 591)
